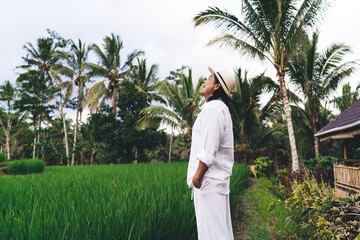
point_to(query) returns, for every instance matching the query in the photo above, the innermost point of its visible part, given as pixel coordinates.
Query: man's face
(209, 87)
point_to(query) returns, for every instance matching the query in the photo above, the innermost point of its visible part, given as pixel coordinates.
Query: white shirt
(213, 144)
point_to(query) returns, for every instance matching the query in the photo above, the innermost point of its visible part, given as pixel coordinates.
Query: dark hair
(219, 94)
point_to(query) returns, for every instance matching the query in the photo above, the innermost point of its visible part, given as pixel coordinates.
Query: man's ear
(217, 86)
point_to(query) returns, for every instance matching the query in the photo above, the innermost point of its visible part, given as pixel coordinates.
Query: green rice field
(141, 201)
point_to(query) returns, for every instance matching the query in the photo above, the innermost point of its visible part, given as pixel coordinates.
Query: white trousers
(213, 217)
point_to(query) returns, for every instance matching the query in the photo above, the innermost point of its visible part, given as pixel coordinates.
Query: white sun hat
(226, 79)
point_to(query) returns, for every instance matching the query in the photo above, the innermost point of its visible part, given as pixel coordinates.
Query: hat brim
(221, 81)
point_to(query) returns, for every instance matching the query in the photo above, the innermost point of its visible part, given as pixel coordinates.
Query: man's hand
(199, 174)
(197, 182)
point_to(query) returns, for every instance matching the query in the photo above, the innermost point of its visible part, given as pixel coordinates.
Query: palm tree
(76, 69)
(109, 67)
(42, 58)
(318, 75)
(246, 112)
(270, 30)
(146, 80)
(346, 99)
(183, 103)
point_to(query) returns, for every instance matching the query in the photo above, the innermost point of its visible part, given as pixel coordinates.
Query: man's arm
(199, 174)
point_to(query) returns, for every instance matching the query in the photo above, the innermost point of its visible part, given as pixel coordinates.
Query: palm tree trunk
(7, 137)
(93, 153)
(7, 146)
(35, 140)
(65, 131)
(34, 147)
(65, 138)
(114, 98)
(287, 109)
(76, 127)
(8, 132)
(316, 141)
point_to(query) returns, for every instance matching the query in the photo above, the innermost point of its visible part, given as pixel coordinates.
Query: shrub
(286, 178)
(322, 168)
(26, 166)
(306, 197)
(2, 157)
(263, 167)
(317, 212)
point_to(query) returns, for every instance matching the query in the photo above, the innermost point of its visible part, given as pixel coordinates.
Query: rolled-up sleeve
(212, 126)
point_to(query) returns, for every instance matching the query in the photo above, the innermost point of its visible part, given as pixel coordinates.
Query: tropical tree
(182, 107)
(347, 98)
(111, 68)
(10, 117)
(183, 103)
(245, 104)
(75, 67)
(317, 75)
(42, 57)
(270, 30)
(34, 91)
(146, 79)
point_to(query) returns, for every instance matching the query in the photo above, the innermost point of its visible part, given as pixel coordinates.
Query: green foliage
(113, 68)
(139, 201)
(325, 162)
(262, 197)
(184, 101)
(26, 166)
(263, 167)
(318, 213)
(322, 168)
(116, 136)
(2, 157)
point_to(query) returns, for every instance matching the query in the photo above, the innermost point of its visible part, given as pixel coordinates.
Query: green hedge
(26, 166)
(2, 157)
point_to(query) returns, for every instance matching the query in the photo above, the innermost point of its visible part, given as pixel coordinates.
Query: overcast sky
(162, 28)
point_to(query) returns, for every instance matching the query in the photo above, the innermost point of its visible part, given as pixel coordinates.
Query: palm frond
(228, 23)
(242, 46)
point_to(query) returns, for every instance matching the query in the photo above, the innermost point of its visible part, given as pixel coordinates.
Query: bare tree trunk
(287, 109)
(36, 139)
(7, 136)
(34, 147)
(7, 146)
(76, 127)
(172, 133)
(65, 132)
(8, 132)
(316, 140)
(93, 153)
(65, 138)
(114, 98)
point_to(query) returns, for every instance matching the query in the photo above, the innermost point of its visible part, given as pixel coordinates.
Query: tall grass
(26, 166)
(2, 157)
(263, 198)
(142, 201)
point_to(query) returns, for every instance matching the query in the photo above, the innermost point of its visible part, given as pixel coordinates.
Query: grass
(2, 157)
(142, 201)
(257, 223)
(26, 166)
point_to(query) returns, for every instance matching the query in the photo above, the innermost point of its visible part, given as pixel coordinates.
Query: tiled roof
(349, 118)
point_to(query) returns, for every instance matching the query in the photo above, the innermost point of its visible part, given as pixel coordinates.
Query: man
(212, 159)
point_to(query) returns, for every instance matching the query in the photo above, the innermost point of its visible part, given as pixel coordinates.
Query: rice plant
(26, 166)
(142, 201)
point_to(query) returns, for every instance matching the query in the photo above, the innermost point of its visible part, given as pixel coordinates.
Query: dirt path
(248, 224)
